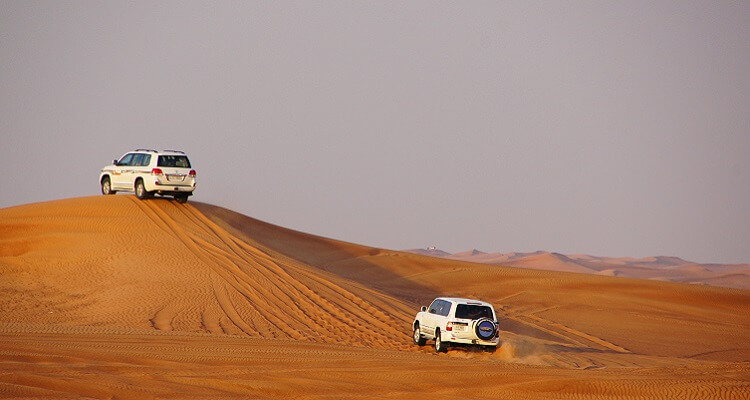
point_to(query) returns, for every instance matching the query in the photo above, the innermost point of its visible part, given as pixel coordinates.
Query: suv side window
(434, 307)
(141, 160)
(138, 159)
(445, 308)
(126, 160)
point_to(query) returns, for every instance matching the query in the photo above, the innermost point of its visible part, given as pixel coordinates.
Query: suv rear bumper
(170, 189)
(452, 339)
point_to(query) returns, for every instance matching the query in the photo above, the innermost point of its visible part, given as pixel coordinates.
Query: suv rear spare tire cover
(485, 329)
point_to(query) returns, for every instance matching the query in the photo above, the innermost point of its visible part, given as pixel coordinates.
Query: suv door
(438, 315)
(176, 169)
(466, 317)
(120, 172)
(441, 318)
(139, 167)
(429, 322)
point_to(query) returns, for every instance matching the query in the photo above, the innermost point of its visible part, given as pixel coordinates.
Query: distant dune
(672, 269)
(113, 297)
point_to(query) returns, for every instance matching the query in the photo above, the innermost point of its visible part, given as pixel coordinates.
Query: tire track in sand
(581, 335)
(291, 271)
(269, 295)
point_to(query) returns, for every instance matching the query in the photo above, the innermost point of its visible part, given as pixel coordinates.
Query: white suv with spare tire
(147, 172)
(451, 320)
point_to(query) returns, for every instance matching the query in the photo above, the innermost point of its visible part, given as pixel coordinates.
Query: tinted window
(138, 159)
(445, 308)
(127, 159)
(142, 160)
(434, 307)
(174, 161)
(470, 311)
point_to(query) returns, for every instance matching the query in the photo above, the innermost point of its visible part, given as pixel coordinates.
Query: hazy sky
(607, 128)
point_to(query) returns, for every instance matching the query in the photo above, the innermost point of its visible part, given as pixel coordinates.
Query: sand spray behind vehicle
(524, 350)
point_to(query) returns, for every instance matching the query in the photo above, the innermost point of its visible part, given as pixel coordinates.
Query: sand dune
(671, 269)
(114, 297)
(170, 268)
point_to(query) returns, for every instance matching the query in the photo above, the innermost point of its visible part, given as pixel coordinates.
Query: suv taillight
(157, 171)
(192, 173)
(449, 326)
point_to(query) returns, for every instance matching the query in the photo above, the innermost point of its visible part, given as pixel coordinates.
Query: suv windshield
(173, 161)
(470, 311)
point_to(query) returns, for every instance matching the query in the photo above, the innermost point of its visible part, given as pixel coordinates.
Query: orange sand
(115, 297)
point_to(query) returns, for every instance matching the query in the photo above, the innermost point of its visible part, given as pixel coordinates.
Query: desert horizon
(664, 268)
(113, 297)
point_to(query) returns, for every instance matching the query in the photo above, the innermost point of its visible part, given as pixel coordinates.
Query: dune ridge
(115, 297)
(671, 269)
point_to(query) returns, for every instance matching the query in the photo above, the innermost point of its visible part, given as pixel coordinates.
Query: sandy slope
(115, 297)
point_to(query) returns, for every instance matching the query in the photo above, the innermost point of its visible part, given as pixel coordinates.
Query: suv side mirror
(423, 309)
(114, 162)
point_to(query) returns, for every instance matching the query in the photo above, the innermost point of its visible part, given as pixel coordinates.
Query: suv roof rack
(149, 150)
(173, 151)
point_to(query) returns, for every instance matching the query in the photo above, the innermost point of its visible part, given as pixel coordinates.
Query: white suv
(148, 172)
(451, 320)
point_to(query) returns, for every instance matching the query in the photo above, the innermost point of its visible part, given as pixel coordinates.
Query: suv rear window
(174, 161)
(471, 311)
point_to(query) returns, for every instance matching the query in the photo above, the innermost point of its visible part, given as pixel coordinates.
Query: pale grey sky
(607, 128)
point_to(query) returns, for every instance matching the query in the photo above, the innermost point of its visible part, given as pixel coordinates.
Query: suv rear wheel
(140, 190)
(440, 346)
(181, 198)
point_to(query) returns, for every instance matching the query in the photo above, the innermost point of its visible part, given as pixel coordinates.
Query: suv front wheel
(418, 339)
(107, 186)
